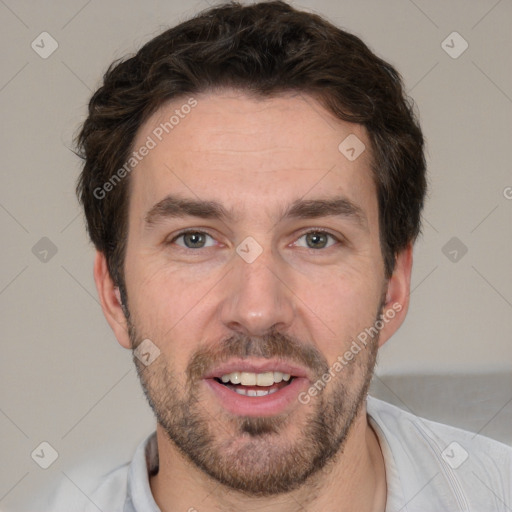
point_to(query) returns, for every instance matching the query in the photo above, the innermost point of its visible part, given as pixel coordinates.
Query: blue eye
(318, 240)
(193, 240)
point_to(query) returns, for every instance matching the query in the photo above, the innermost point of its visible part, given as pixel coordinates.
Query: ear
(110, 300)
(397, 295)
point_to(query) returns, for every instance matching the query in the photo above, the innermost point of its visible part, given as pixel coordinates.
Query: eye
(193, 240)
(317, 240)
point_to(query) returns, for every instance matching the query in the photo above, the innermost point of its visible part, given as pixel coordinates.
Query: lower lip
(268, 405)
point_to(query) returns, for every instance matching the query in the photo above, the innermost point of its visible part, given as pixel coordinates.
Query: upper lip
(253, 366)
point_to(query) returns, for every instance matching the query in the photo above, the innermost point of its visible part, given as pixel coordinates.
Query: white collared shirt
(430, 467)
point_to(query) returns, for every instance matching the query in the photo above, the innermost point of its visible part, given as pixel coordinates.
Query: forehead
(227, 145)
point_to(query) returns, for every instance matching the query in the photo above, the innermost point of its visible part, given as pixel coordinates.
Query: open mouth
(255, 384)
(257, 389)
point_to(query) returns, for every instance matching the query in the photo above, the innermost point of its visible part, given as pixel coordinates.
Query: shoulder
(69, 494)
(470, 468)
(113, 491)
(402, 426)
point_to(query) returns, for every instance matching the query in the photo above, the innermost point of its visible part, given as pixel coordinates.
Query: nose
(258, 296)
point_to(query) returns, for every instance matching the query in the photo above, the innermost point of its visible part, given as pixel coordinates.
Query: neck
(354, 480)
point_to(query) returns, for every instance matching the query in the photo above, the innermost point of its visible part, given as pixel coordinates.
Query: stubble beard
(254, 455)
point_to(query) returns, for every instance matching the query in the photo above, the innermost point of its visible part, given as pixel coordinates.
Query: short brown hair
(262, 49)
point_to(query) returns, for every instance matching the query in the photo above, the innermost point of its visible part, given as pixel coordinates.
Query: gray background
(66, 381)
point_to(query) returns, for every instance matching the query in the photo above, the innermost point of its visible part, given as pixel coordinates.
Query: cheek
(160, 296)
(164, 306)
(344, 302)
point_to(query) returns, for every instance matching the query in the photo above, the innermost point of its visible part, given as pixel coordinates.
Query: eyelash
(197, 231)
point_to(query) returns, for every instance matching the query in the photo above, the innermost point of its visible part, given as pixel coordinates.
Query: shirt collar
(145, 464)
(395, 500)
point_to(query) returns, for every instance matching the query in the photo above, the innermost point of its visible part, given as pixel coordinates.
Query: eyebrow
(336, 207)
(175, 207)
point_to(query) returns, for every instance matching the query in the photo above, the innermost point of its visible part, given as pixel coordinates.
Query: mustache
(273, 345)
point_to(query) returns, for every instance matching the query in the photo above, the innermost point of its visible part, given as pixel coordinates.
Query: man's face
(283, 281)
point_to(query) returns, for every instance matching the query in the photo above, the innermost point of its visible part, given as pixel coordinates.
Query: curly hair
(261, 49)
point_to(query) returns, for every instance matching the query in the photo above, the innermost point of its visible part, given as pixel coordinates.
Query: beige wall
(64, 378)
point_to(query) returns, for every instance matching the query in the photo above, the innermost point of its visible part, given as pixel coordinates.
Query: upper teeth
(255, 379)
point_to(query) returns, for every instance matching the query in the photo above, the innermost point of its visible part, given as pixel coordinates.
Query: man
(253, 182)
